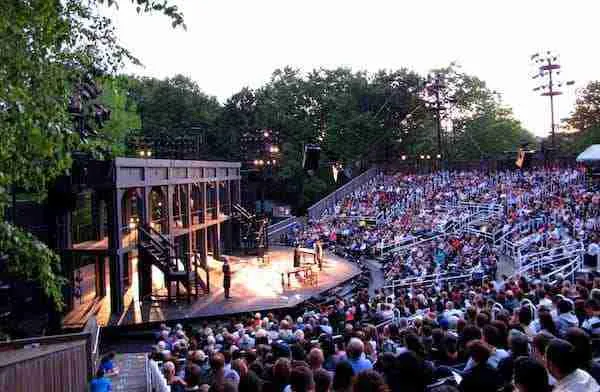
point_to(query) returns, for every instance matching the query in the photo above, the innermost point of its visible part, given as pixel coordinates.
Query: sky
(230, 44)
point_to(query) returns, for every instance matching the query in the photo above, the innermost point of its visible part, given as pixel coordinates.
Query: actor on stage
(226, 277)
(297, 256)
(319, 254)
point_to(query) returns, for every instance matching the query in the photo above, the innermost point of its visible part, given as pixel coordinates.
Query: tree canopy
(47, 49)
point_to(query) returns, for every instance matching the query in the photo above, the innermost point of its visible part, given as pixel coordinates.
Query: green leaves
(30, 260)
(46, 48)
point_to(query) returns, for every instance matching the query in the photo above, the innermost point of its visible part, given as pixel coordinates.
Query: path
(377, 278)
(132, 373)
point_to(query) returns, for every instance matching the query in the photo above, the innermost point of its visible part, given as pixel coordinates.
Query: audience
(448, 322)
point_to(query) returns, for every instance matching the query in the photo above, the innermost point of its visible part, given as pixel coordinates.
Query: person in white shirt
(593, 250)
(561, 363)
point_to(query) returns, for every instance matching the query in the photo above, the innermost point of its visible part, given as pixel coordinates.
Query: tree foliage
(587, 108)
(173, 105)
(47, 47)
(32, 261)
(584, 122)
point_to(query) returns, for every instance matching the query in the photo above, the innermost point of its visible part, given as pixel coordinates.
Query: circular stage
(254, 286)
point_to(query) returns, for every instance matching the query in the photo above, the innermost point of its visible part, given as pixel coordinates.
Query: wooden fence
(61, 363)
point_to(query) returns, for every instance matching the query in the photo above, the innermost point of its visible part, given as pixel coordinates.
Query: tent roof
(590, 154)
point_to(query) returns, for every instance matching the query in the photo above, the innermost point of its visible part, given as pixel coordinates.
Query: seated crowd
(522, 333)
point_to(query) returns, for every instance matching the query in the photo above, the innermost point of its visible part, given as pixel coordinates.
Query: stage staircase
(179, 270)
(254, 233)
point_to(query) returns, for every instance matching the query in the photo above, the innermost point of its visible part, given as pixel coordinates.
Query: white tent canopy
(590, 154)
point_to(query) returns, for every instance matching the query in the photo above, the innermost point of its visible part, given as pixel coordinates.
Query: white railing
(567, 270)
(157, 379)
(430, 280)
(327, 204)
(409, 244)
(569, 257)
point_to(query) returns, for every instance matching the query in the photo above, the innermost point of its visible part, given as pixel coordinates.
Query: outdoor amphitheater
(316, 196)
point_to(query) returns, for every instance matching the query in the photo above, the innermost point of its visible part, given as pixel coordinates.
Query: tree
(237, 118)
(174, 105)
(47, 47)
(587, 108)
(477, 125)
(584, 123)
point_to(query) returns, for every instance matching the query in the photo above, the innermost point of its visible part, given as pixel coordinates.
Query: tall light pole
(437, 98)
(548, 69)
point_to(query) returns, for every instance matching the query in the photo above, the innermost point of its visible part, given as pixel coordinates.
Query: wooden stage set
(255, 285)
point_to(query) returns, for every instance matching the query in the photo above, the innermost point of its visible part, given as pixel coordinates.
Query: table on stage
(307, 251)
(310, 275)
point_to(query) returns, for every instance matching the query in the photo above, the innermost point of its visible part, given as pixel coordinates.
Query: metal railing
(404, 245)
(327, 203)
(431, 280)
(275, 230)
(549, 256)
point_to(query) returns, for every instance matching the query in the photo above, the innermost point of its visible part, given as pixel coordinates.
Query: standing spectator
(562, 365)
(369, 381)
(322, 380)
(481, 376)
(107, 364)
(342, 378)
(356, 356)
(583, 351)
(592, 322)
(301, 380)
(100, 383)
(530, 376)
(316, 359)
(176, 383)
(491, 337)
(519, 347)
(566, 317)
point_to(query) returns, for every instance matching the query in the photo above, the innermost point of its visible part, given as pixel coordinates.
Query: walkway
(132, 373)
(377, 277)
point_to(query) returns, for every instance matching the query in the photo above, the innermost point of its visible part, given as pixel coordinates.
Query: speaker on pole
(312, 154)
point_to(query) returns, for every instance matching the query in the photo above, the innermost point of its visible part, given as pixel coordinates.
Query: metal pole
(437, 113)
(550, 87)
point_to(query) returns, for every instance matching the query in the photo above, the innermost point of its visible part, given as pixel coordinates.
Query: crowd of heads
(488, 333)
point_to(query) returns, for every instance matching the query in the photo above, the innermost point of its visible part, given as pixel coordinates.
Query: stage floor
(253, 287)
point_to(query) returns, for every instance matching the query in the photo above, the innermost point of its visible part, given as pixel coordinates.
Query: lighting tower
(548, 70)
(438, 98)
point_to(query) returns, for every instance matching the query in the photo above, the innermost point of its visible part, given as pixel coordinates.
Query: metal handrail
(316, 209)
(162, 237)
(428, 282)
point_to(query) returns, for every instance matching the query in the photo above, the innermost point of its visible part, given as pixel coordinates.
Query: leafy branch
(30, 260)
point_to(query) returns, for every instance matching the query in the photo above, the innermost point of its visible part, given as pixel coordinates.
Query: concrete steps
(132, 373)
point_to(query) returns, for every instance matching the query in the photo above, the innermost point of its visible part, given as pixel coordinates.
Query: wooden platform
(255, 286)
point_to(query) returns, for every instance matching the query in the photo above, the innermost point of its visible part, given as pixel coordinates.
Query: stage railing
(320, 208)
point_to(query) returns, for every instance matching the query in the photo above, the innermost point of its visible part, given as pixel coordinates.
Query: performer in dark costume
(226, 277)
(297, 256)
(319, 254)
